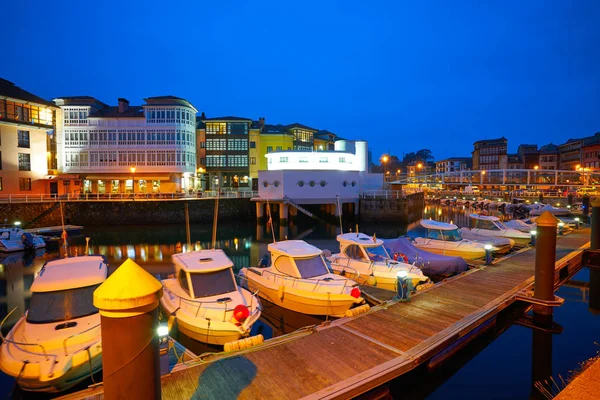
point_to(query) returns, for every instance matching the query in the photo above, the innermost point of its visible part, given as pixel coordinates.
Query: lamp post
(482, 174)
(384, 161)
(132, 169)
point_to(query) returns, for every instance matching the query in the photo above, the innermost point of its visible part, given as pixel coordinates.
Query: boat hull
(211, 331)
(375, 280)
(466, 254)
(335, 305)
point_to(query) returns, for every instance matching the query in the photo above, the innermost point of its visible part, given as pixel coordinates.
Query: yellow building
(272, 141)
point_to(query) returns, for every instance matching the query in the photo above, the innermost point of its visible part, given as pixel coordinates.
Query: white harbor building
(123, 149)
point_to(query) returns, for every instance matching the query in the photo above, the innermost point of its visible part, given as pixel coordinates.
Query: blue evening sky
(402, 75)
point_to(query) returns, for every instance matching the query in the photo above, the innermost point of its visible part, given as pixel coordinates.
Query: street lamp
(384, 161)
(132, 169)
(536, 167)
(482, 175)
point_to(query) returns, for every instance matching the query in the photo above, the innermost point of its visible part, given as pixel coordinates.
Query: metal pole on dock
(586, 208)
(128, 304)
(545, 259)
(595, 221)
(187, 227)
(594, 296)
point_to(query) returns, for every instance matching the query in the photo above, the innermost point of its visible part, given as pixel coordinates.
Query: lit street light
(132, 169)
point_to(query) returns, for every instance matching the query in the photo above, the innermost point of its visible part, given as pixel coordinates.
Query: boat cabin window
(354, 252)
(61, 305)
(452, 236)
(183, 282)
(378, 253)
(311, 267)
(486, 224)
(214, 283)
(284, 265)
(433, 234)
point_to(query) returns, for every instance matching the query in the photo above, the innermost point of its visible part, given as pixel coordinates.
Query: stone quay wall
(404, 210)
(124, 212)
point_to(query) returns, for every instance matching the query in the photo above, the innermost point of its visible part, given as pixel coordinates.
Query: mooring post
(570, 200)
(545, 259)
(586, 208)
(128, 304)
(541, 198)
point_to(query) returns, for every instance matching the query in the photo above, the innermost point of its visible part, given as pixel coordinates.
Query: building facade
(227, 156)
(529, 155)
(514, 161)
(490, 154)
(124, 149)
(549, 157)
(453, 164)
(570, 154)
(27, 142)
(591, 156)
(324, 140)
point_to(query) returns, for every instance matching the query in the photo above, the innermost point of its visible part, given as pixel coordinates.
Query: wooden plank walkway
(350, 356)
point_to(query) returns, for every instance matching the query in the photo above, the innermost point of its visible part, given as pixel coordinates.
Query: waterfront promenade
(350, 356)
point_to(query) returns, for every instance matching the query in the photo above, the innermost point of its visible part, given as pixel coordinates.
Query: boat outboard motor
(27, 240)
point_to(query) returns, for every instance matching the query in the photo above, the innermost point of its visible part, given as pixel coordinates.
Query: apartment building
(529, 155)
(570, 154)
(123, 149)
(490, 154)
(453, 164)
(27, 142)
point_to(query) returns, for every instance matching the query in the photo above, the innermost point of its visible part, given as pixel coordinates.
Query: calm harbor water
(498, 365)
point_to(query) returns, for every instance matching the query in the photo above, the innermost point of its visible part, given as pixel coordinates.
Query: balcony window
(23, 139)
(24, 162)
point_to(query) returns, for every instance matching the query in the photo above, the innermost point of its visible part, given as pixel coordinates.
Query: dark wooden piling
(545, 257)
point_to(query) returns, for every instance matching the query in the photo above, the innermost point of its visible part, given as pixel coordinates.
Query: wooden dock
(351, 356)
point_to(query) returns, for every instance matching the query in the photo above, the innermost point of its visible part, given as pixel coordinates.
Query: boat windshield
(311, 267)
(378, 253)
(452, 236)
(500, 225)
(61, 305)
(208, 284)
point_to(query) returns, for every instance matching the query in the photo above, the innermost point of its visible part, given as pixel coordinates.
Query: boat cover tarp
(430, 264)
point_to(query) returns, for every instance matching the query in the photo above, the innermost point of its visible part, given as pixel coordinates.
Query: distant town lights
(17, 223)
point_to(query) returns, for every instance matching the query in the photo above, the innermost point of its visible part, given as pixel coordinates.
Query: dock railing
(97, 197)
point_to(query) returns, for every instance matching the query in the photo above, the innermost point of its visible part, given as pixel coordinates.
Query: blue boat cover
(430, 264)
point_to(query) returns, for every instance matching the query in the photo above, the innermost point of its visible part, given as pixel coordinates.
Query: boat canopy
(431, 224)
(70, 273)
(202, 261)
(360, 239)
(294, 248)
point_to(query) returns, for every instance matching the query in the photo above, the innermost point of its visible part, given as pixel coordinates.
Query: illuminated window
(25, 184)
(252, 160)
(283, 159)
(278, 148)
(1, 184)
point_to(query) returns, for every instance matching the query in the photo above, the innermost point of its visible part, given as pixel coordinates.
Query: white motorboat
(205, 299)
(523, 225)
(444, 238)
(504, 245)
(538, 209)
(492, 226)
(16, 239)
(57, 343)
(298, 279)
(364, 256)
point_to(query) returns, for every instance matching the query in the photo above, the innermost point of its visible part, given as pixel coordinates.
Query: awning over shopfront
(127, 177)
